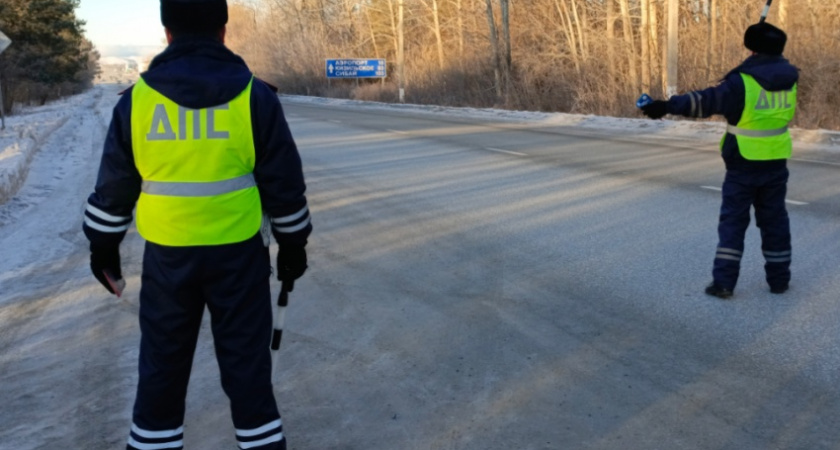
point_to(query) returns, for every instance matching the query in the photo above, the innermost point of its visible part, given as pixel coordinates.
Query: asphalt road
(472, 286)
(498, 286)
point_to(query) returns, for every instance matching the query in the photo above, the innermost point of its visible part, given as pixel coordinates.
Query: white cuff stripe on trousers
(777, 260)
(141, 446)
(156, 434)
(175, 434)
(256, 431)
(274, 438)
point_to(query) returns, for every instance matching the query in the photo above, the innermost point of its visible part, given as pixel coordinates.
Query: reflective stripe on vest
(732, 129)
(176, 189)
(197, 169)
(762, 133)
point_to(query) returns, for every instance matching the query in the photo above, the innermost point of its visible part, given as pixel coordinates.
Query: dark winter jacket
(198, 73)
(773, 73)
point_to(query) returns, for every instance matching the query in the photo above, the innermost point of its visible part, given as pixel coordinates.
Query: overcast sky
(123, 28)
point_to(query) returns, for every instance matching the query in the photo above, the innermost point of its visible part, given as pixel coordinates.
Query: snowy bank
(20, 141)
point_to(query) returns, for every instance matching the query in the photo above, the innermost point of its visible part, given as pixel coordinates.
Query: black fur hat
(193, 16)
(765, 38)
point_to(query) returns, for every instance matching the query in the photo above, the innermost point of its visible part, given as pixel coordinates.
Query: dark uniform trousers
(232, 281)
(766, 192)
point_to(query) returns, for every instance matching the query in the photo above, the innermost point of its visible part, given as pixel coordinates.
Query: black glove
(291, 263)
(105, 258)
(656, 109)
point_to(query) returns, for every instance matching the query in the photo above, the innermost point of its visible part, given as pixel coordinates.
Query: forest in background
(575, 56)
(49, 57)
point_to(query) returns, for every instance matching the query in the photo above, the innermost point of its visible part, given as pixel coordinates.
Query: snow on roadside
(49, 163)
(20, 141)
(25, 133)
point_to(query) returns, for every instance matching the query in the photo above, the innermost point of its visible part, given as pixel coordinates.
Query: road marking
(505, 151)
(796, 202)
(397, 131)
(828, 163)
(792, 202)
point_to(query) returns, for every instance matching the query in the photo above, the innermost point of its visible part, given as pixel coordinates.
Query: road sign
(356, 68)
(4, 42)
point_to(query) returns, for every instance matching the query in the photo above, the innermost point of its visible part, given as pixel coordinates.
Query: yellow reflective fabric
(765, 111)
(206, 148)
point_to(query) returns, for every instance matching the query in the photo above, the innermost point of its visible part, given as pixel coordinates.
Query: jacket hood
(198, 72)
(773, 73)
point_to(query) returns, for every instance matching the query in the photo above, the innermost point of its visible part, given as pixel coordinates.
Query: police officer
(758, 100)
(203, 149)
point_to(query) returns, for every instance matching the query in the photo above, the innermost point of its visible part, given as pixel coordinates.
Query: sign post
(356, 68)
(4, 42)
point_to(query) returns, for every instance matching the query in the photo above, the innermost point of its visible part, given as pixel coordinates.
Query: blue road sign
(356, 68)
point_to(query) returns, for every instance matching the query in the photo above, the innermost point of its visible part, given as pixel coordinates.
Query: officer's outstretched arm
(725, 98)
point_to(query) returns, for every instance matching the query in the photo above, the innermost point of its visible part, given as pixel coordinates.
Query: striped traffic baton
(279, 320)
(766, 10)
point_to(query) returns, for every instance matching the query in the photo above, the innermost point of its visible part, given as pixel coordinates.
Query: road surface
(472, 285)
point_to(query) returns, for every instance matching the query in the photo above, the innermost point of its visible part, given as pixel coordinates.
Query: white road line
(796, 202)
(505, 151)
(792, 202)
(828, 163)
(397, 131)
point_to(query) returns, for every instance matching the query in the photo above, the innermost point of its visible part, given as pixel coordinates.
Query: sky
(123, 28)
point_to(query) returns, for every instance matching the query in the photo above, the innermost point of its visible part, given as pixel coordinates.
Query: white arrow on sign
(331, 68)
(4, 42)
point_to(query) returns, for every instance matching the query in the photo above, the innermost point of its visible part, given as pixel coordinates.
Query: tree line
(49, 56)
(577, 56)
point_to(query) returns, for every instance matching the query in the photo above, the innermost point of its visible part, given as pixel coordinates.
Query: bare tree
(654, 35)
(507, 60)
(561, 48)
(710, 42)
(645, 35)
(436, 29)
(629, 45)
(569, 31)
(460, 18)
(494, 43)
(610, 29)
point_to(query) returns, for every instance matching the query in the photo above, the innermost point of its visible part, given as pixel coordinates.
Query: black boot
(717, 291)
(779, 289)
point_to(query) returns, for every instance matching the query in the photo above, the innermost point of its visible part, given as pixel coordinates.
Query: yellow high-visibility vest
(762, 133)
(197, 168)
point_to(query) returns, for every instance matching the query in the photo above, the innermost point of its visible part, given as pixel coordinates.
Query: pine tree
(49, 55)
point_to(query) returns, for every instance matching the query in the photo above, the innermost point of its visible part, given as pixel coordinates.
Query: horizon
(120, 31)
(129, 51)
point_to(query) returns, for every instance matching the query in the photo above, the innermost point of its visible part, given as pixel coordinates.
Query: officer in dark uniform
(203, 150)
(758, 100)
